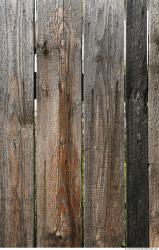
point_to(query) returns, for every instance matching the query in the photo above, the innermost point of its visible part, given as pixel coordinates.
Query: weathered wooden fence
(42, 202)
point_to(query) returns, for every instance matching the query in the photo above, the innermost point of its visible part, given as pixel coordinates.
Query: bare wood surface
(154, 123)
(104, 123)
(58, 123)
(16, 123)
(137, 125)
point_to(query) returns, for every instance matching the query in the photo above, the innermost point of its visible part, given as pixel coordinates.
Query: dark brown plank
(153, 114)
(137, 124)
(16, 123)
(58, 123)
(104, 123)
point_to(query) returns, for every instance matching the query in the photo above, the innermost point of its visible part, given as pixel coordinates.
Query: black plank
(137, 124)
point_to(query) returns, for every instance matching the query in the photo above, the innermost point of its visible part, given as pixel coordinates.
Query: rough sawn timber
(58, 143)
(16, 123)
(104, 123)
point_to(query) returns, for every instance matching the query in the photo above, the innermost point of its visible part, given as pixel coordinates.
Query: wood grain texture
(104, 123)
(153, 113)
(58, 123)
(16, 123)
(137, 248)
(137, 124)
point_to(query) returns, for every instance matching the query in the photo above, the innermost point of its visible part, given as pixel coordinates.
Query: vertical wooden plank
(16, 123)
(137, 124)
(58, 123)
(104, 123)
(154, 123)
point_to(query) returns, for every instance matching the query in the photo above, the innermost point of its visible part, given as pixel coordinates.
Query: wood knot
(45, 89)
(99, 58)
(43, 47)
(142, 11)
(117, 84)
(63, 43)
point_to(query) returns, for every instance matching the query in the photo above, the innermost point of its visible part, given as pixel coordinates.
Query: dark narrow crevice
(82, 129)
(34, 86)
(82, 87)
(35, 208)
(125, 124)
(82, 196)
(34, 174)
(82, 165)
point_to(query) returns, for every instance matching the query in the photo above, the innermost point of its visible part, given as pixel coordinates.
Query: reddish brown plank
(58, 123)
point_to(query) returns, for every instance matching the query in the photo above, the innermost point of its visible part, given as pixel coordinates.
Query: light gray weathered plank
(153, 114)
(104, 123)
(16, 123)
